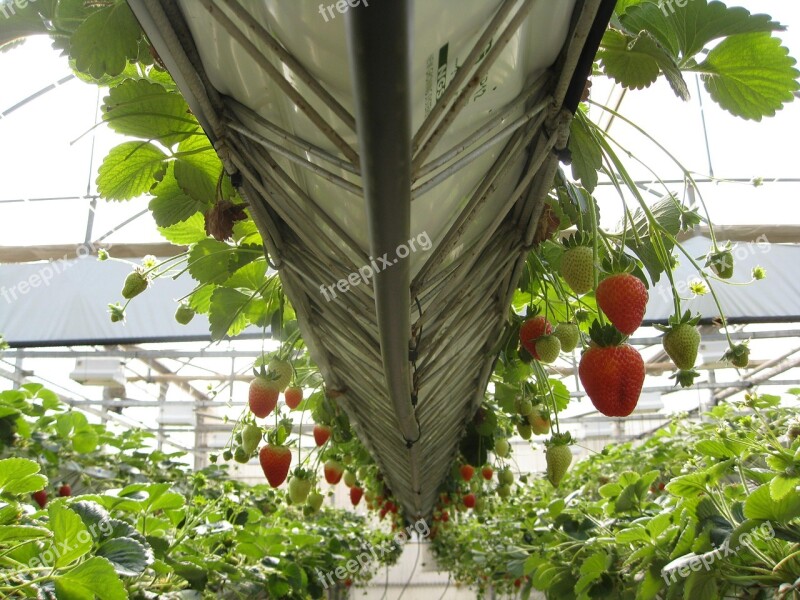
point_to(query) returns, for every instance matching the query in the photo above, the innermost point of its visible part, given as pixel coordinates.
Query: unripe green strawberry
(793, 432)
(251, 437)
(240, 456)
(184, 314)
(314, 501)
(350, 478)
(501, 447)
(299, 489)
(738, 355)
(681, 344)
(559, 457)
(504, 491)
(548, 348)
(117, 313)
(505, 477)
(540, 422)
(280, 372)
(524, 430)
(721, 263)
(524, 406)
(227, 454)
(569, 335)
(135, 284)
(577, 268)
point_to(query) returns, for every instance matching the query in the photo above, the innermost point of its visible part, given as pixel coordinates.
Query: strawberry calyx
(685, 377)
(676, 321)
(605, 336)
(559, 439)
(577, 239)
(621, 263)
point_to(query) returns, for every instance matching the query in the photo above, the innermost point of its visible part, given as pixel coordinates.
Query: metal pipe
(378, 47)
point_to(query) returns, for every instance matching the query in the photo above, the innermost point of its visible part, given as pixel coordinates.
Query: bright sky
(51, 151)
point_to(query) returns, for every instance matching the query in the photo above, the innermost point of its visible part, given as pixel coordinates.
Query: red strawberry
(445, 516)
(322, 434)
(333, 470)
(623, 299)
(41, 498)
(467, 471)
(469, 500)
(487, 473)
(531, 330)
(612, 376)
(355, 495)
(275, 461)
(65, 490)
(263, 397)
(293, 397)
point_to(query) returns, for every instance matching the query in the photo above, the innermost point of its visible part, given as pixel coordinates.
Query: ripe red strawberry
(577, 268)
(275, 462)
(322, 434)
(467, 471)
(612, 375)
(559, 457)
(263, 397)
(531, 330)
(487, 473)
(355, 495)
(293, 397)
(41, 498)
(569, 335)
(548, 347)
(469, 500)
(65, 490)
(623, 299)
(333, 470)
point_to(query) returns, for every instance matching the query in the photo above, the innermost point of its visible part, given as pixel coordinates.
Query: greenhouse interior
(389, 299)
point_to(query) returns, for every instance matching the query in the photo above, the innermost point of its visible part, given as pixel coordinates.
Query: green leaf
(587, 157)
(635, 62)
(198, 169)
(227, 315)
(713, 448)
(142, 109)
(686, 30)
(667, 214)
(20, 476)
(20, 533)
(94, 578)
(209, 261)
(128, 557)
(633, 534)
(782, 485)
(104, 42)
(161, 497)
(171, 205)
(85, 440)
(130, 170)
(701, 585)
(760, 505)
(250, 277)
(751, 76)
(188, 231)
(71, 539)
